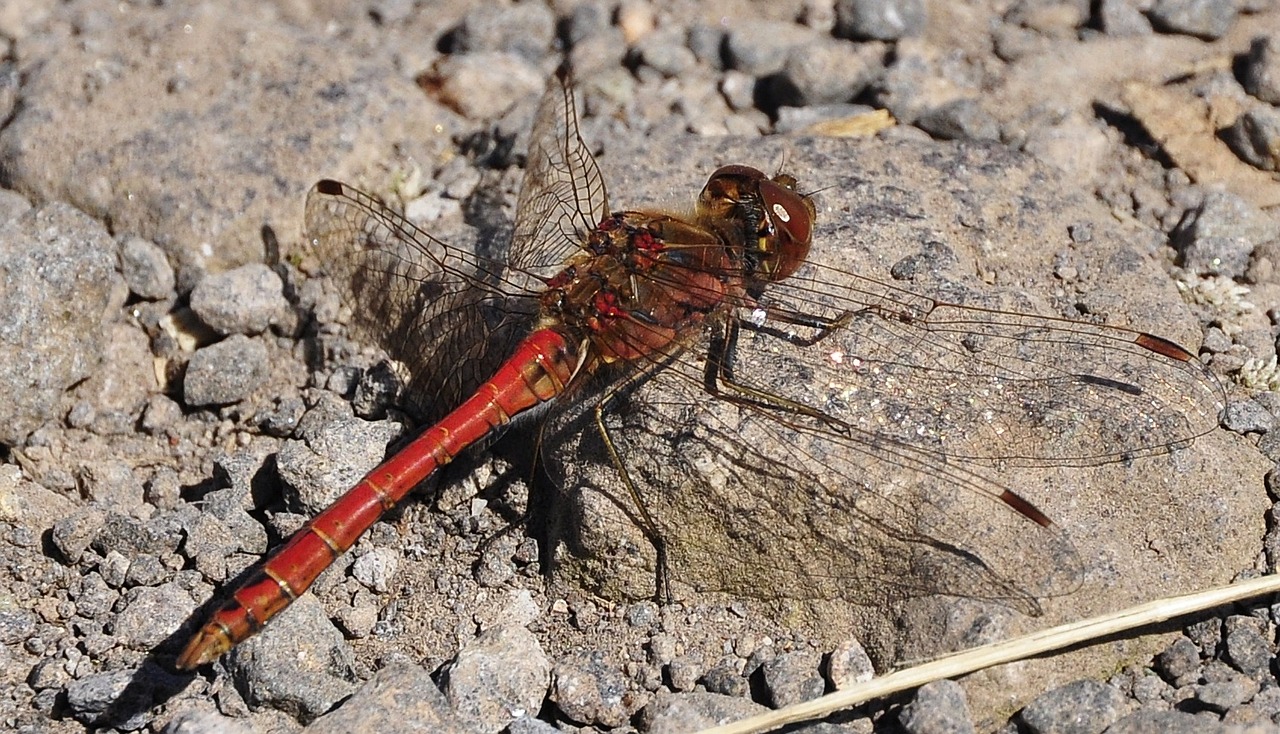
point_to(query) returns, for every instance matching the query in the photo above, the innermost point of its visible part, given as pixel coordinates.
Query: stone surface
(938, 708)
(884, 20)
(190, 161)
(225, 372)
(587, 687)
(56, 288)
(497, 677)
(400, 698)
(245, 300)
(1082, 707)
(1204, 18)
(299, 664)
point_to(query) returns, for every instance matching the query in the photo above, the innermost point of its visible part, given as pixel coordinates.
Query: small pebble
(849, 664)
(526, 30)
(587, 687)
(827, 72)
(1122, 18)
(1255, 138)
(245, 300)
(1218, 236)
(759, 48)
(1247, 416)
(1222, 696)
(1207, 19)
(484, 85)
(1089, 706)
(146, 269)
(794, 677)
(725, 677)
(884, 20)
(226, 372)
(1179, 664)
(961, 119)
(1248, 652)
(1262, 70)
(937, 708)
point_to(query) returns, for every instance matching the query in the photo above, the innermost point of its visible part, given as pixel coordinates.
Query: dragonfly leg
(719, 381)
(642, 518)
(823, 326)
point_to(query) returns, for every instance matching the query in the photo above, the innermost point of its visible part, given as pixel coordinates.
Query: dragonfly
(778, 426)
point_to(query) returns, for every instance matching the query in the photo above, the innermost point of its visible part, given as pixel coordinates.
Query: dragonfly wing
(441, 311)
(995, 387)
(760, 501)
(563, 195)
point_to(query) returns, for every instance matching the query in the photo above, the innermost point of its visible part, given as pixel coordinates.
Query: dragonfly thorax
(641, 280)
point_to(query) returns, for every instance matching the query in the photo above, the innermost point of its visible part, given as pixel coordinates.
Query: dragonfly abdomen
(536, 372)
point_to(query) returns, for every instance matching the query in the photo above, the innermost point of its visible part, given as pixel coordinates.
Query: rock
(1179, 664)
(245, 300)
(526, 30)
(1208, 19)
(1221, 696)
(725, 678)
(207, 722)
(883, 20)
(665, 51)
(1247, 416)
(588, 688)
(484, 85)
(125, 382)
(961, 119)
(793, 677)
(1249, 652)
(194, 149)
(298, 664)
(226, 372)
(16, 625)
(826, 72)
(1219, 235)
(74, 532)
(1261, 75)
(1122, 18)
(151, 614)
(401, 698)
(111, 483)
(938, 708)
(497, 677)
(146, 270)
(849, 664)
(333, 452)
(684, 672)
(56, 286)
(1166, 722)
(676, 713)
(377, 569)
(1255, 137)
(92, 697)
(1080, 707)
(761, 47)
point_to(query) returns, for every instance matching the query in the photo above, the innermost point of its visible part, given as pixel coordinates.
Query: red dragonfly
(703, 358)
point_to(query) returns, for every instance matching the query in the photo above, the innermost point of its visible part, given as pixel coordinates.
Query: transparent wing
(995, 387)
(563, 196)
(440, 310)
(863, 456)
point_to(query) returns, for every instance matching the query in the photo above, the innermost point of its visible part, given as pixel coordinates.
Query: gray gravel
(179, 399)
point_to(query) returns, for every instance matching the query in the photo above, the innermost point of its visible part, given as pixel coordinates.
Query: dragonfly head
(766, 217)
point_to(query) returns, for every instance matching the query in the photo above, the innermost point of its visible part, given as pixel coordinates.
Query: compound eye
(787, 211)
(791, 217)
